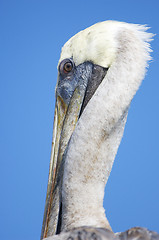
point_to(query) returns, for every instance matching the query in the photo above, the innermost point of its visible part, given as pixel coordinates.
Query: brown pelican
(99, 72)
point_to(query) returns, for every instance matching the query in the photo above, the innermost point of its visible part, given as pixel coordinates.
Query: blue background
(31, 36)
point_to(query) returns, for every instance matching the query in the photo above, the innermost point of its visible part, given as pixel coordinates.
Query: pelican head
(99, 71)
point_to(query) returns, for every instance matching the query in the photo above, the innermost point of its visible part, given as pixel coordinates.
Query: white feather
(124, 48)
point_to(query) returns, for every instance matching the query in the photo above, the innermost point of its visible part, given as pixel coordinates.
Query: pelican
(99, 71)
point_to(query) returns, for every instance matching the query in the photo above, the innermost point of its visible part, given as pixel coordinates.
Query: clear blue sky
(32, 33)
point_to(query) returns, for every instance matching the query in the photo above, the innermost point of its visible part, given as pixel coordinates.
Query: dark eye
(66, 66)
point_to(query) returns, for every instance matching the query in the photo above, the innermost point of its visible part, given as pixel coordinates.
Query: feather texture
(124, 49)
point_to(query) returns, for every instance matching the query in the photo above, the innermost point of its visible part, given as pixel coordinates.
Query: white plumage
(123, 49)
(100, 42)
(94, 143)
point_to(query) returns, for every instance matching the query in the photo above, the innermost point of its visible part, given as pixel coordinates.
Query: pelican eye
(66, 66)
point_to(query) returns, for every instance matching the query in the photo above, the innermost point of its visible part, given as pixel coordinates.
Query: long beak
(65, 119)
